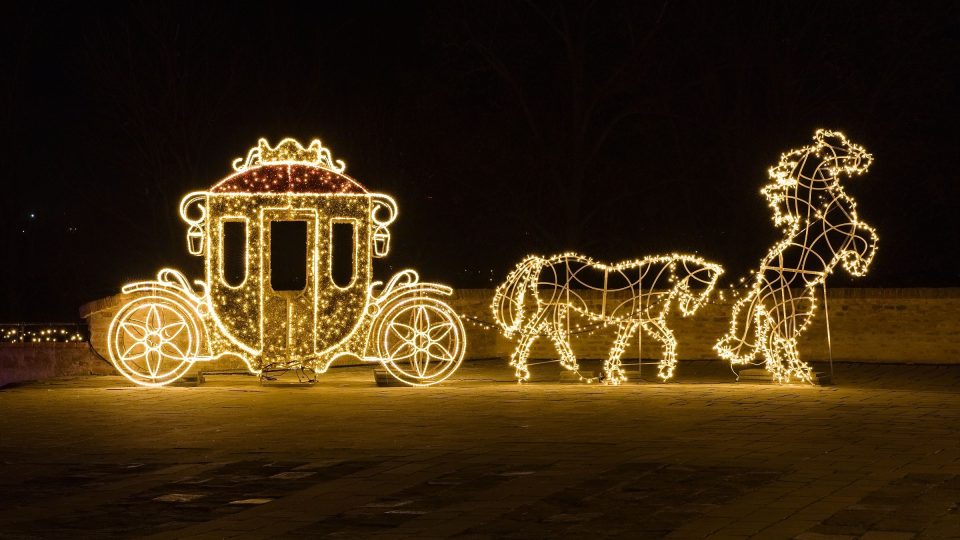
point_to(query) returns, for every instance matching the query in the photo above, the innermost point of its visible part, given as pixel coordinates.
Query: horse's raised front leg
(613, 368)
(518, 359)
(863, 246)
(664, 335)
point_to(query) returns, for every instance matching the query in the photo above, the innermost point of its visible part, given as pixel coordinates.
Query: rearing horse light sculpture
(821, 229)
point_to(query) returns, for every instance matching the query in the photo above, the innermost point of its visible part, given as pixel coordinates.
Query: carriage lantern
(287, 240)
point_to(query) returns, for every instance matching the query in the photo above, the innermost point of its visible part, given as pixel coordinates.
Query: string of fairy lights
(24, 333)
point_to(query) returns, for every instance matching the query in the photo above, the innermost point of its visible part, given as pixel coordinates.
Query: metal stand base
(823, 379)
(571, 377)
(762, 376)
(754, 376)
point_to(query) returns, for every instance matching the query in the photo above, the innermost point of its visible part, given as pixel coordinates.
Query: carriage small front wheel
(153, 340)
(420, 340)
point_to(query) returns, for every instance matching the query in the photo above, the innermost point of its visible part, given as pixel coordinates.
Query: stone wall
(20, 362)
(867, 325)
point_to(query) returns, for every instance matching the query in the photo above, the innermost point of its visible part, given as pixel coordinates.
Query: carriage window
(288, 255)
(342, 251)
(234, 255)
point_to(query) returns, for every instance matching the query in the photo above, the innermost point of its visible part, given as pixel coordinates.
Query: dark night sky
(618, 129)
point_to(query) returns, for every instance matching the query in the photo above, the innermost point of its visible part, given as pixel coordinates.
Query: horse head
(510, 297)
(818, 167)
(697, 279)
(839, 154)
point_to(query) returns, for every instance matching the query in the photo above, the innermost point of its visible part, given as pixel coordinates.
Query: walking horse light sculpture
(540, 294)
(821, 229)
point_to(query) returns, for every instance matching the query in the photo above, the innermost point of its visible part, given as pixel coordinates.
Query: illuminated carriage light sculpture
(169, 324)
(541, 293)
(821, 229)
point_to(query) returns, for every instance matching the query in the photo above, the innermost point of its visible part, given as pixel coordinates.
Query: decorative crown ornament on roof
(290, 151)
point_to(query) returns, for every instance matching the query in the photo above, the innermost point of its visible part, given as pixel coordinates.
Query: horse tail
(742, 342)
(509, 298)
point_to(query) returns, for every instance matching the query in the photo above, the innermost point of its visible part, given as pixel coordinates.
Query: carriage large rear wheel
(153, 340)
(420, 340)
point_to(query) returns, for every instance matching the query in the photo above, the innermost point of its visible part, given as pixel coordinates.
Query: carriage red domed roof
(288, 178)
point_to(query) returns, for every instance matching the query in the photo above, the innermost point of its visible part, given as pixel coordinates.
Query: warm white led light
(539, 295)
(27, 333)
(820, 230)
(170, 324)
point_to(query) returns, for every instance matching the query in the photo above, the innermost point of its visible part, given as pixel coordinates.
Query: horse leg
(612, 368)
(783, 360)
(776, 349)
(803, 312)
(794, 366)
(664, 335)
(519, 357)
(740, 345)
(784, 325)
(561, 341)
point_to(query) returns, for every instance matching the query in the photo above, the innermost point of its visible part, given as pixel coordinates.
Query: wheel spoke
(404, 352)
(422, 362)
(421, 319)
(171, 351)
(130, 355)
(170, 331)
(444, 354)
(136, 331)
(440, 331)
(153, 359)
(408, 331)
(154, 322)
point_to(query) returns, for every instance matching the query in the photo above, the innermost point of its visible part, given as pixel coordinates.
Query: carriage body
(272, 296)
(291, 322)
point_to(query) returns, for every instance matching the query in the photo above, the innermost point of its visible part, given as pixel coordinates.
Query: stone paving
(876, 457)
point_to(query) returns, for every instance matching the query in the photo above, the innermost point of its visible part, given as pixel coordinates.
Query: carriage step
(190, 380)
(384, 378)
(286, 383)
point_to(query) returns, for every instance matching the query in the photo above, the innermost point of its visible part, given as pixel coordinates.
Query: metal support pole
(826, 309)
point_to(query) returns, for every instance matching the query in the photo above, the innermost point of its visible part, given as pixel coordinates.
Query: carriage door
(289, 286)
